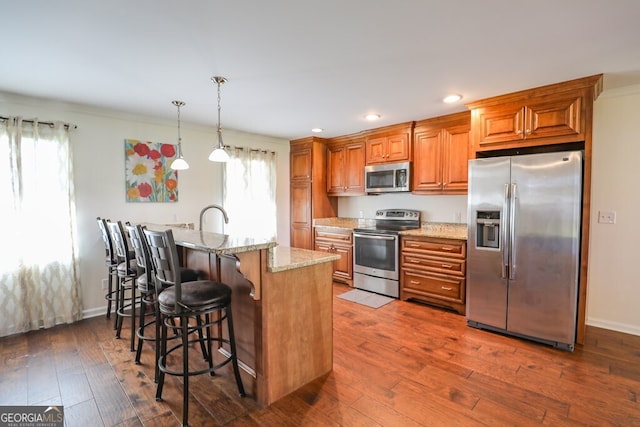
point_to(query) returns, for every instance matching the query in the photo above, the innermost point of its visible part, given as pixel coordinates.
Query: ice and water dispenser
(488, 229)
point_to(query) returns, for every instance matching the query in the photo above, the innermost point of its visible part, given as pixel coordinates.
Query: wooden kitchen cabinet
(441, 154)
(389, 144)
(337, 241)
(554, 114)
(308, 189)
(432, 270)
(345, 167)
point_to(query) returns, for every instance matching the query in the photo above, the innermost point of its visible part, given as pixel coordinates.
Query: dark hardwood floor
(404, 364)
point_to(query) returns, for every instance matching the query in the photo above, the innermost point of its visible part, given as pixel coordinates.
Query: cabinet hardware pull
(413, 282)
(413, 260)
(528, 131)
(446, 288)
(446, 248)
(447, 265)
(414, 245)
(519, 132)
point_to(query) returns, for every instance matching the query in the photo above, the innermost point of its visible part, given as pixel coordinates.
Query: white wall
(432, 208)
(614, 283)
(98, 150)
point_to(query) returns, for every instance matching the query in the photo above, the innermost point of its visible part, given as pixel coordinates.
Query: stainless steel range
(376, 251)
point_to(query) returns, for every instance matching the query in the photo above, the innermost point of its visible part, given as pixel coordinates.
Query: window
(249, 193)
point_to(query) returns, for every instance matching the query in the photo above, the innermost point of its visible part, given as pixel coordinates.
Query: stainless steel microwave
(387, 178)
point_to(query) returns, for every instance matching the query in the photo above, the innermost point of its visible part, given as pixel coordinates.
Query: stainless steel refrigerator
(524, 219)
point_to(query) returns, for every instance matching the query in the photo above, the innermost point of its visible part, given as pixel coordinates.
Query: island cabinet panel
(548, 115)
(389, 144)
(283, 321)
(441, 154)
(345, 168)
(308, 194)
(340, 242)
(433, 270)
(297, 328)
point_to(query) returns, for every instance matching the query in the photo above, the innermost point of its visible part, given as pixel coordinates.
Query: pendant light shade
(179, 163)
(219, 154)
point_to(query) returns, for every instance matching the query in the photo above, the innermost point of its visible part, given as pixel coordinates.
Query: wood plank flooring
(404, 364)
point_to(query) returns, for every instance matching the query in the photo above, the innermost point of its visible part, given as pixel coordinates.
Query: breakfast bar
(281, 302)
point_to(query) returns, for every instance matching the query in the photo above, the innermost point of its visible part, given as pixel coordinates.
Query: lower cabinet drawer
(439, 265)
(438, 285)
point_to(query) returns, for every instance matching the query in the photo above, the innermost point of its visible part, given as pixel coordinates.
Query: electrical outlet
(105, 284)
(606, 217)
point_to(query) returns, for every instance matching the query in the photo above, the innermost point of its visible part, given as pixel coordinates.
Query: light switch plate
(606, 217)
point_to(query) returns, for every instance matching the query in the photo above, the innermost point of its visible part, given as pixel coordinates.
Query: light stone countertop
(283, 258)
(444, 230)
(280, 258)
(219, 244)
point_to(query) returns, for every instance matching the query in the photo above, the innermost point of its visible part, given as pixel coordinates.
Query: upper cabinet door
(389, 144)
(427, 165)
(376, 150)
(398, 148)
(345, 169)
(300, 164)
(455, 159)
(549, 118)
(335, 169)
(500, 124)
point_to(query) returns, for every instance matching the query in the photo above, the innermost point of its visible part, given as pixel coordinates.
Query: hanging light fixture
(179, 163)
(218, 154)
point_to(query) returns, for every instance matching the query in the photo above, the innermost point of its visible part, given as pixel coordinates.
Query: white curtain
(249, 193)
(39, 285)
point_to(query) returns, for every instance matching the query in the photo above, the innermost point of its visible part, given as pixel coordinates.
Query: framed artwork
(148, 177)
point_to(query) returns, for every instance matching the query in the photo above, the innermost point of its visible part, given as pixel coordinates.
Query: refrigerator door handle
(512, 233)
(504, 253)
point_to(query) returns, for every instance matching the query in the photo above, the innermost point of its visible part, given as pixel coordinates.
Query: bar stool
(111, 262)
(183, 301)
(146, 287)
(127, 273)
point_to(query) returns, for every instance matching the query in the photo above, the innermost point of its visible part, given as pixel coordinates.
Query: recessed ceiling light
(372, 117)
(317, 130)
(450, 99)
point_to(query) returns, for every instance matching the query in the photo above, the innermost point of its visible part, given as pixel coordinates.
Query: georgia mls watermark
(31, 416)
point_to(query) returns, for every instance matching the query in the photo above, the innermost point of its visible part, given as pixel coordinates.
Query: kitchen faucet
(220, 208)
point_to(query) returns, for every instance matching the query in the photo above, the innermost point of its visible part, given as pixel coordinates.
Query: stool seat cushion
(129, 270)
(196, 294)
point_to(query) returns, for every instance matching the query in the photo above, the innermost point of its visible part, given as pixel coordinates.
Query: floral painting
(147, 173)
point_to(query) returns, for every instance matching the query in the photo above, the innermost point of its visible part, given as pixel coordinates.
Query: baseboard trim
(94, 312)
(614, 326)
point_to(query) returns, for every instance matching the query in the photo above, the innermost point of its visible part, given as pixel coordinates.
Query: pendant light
(179, 163)
(218, 154)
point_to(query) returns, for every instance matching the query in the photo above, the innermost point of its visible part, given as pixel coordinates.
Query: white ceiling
(294, 64)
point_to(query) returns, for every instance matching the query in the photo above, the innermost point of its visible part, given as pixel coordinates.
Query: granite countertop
(219, 244)
(444, 230)
(280, 258)
(283, 258)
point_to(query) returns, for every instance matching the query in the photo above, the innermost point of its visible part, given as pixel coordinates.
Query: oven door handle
(373, 236)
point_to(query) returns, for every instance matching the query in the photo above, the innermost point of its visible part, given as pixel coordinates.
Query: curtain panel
(249, 192)
(39, 285)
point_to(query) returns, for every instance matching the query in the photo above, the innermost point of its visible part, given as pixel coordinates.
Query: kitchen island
(281, 302)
